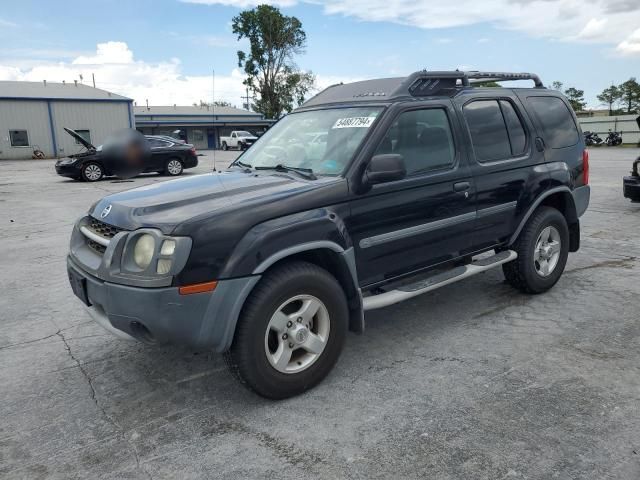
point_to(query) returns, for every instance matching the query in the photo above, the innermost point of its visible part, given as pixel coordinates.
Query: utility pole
(94, 80)
(245, 99)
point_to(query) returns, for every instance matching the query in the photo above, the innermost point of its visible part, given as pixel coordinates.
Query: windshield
(322, 140)
(244, 134)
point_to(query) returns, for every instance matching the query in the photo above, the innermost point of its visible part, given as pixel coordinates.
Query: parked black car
(422, 181)
(166, 157)
(631, 183)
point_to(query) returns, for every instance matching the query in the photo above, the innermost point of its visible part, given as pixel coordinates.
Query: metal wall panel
(100, 118)
(626, 124)
(31, 115)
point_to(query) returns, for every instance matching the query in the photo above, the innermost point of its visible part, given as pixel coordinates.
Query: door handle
(461, 186)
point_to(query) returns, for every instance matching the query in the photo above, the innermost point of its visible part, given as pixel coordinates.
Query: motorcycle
(614, 139)
(592, 138)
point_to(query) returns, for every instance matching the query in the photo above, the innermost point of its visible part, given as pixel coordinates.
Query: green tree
(630, 95)
(576, 98)
(610, 96)
(556, 85)
(274, 40)
(217, 103)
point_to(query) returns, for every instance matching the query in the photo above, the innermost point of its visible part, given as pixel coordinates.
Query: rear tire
(92, 172)
(543, 249)
(224, 146)
(290, 332)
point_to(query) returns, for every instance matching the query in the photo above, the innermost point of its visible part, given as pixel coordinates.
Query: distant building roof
(50, 90)
(192, 111)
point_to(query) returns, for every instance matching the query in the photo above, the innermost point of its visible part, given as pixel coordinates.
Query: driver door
(426, 218)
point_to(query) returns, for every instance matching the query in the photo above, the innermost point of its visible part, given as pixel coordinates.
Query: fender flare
(536, 204)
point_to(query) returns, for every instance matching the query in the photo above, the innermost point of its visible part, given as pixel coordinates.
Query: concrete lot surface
(472, 381)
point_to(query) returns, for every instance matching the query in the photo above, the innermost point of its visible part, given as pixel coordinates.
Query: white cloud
(163, 83)
(7, 24)
(631, 45)
(603, 21)
(117, 70)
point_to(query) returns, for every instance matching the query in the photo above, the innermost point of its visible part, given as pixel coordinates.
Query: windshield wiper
(246, 166)
(303, 172)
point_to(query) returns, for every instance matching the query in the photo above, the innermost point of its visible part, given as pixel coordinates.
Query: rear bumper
(581, 197)
(162, 315)
(631, 188)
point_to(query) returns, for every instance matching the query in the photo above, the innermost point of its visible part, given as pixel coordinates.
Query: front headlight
(149, 253)
(144, 250)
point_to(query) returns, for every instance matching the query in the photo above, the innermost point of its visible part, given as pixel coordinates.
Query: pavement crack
(29, 341)
(102, 410)
(626, 262)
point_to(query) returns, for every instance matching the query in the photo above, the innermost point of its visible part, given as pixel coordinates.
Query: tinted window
(556, 119)
(423, 138)
(488, 130)
(157, 143)
(19, 138)
(514, 126)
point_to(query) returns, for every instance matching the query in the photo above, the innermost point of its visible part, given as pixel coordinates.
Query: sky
(165, 51)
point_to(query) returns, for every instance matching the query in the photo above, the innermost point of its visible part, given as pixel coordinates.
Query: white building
(33, 114)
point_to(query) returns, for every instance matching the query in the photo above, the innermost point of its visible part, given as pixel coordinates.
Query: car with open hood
(165, 156)
(369, 194)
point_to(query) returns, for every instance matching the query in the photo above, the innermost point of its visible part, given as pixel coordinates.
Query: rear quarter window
(556, 120)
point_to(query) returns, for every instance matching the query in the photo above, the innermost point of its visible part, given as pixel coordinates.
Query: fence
(627, 125)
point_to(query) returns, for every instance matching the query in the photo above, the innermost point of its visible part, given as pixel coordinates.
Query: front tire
(92, 172)
(224, 146)
(543, 249)
(291, 331)
(174, 167)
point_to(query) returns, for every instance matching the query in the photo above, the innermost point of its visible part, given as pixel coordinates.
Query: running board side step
(436, 281)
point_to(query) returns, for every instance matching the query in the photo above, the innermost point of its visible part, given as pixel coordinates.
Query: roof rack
(425, 83)
(483, 77)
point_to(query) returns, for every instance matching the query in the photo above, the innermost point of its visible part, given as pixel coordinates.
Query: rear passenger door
(426, 218)
(160, 152)
(503, 154)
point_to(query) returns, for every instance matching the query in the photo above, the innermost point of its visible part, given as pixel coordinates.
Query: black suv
(369, 194)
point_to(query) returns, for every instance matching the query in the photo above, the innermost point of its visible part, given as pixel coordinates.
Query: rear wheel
(291, 331)
(224, 146)
(174, 167)
(543, 248)
(92, 172)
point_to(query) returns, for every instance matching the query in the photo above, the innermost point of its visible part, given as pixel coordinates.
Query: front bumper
(67, 169)
(631, 188)
(162, 315)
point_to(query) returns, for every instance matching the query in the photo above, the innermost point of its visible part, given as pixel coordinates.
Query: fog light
(164, 265)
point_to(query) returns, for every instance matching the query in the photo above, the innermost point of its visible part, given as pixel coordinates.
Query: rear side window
(488, 130)
(557, 122)
(514, 127)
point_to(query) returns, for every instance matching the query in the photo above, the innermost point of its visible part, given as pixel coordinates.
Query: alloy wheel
(297, 334)
(547, 251)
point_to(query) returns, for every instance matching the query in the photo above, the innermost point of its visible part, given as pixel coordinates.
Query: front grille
(103, 229)
(96, 247)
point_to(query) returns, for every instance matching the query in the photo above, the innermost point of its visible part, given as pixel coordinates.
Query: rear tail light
(193, 150)
(585, 166)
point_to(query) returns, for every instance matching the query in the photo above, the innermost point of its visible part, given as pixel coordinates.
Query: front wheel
(224, 146)
(92, 172)
(174, 167)
(291, 331)
(543, 248)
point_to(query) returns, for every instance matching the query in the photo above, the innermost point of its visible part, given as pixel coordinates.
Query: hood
(78, 138)
(165, 205)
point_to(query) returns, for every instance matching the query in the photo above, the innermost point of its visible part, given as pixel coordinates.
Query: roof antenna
(213, 114)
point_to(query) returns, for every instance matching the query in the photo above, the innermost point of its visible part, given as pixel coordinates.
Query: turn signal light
(198, 288)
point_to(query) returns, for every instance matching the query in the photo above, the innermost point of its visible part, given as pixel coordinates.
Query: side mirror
(385, 168)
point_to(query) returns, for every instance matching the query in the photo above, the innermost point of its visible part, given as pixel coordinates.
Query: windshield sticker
(354, 122)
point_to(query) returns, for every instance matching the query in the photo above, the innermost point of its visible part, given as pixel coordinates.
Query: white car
(240, 139)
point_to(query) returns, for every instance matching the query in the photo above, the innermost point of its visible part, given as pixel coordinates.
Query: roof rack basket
(425, 83)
